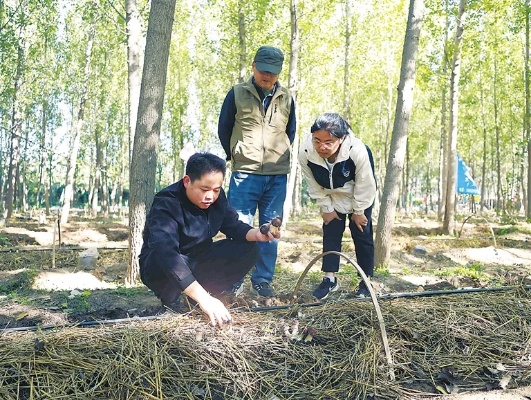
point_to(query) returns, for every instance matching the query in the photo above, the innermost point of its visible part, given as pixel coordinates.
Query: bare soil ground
(82, 279)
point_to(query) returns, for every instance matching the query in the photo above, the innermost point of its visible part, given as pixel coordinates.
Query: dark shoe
(191, 303)
(362, 290)
(362, 293)
(326, 288)
(171, 308)
(235, 291)
(263, 289)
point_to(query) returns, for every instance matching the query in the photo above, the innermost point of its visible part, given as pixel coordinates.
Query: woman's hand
(360, 220)
(328, 217)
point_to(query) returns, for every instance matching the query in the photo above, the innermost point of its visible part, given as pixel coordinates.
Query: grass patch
(474, 271)
(382, 270)
(506, 230)
(315, 276)
(513, 228)
(18, 282)
(129, 292)
(78, 304)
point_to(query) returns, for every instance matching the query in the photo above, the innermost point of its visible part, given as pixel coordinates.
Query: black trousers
(363, 243)
(227, 261)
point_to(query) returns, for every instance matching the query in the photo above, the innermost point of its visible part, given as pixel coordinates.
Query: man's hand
(361, 221)
(216, 311)
(212, 307)
(328, 217)
(254, 235)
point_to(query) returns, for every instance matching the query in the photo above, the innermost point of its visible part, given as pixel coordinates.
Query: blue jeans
(247, 192)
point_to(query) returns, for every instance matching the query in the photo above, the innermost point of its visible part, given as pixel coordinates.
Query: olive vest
(259, 143)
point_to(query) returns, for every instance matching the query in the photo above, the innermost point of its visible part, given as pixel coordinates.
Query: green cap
(269, 59)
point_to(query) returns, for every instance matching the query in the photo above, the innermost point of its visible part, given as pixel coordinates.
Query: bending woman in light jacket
(339, 171)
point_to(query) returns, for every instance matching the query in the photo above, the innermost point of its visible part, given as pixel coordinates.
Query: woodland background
(98, 100)
(71, 73)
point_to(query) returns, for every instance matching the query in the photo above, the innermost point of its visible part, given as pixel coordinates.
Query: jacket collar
(257, 91)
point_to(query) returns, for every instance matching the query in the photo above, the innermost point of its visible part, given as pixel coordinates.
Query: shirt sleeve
(227, 117)
(291, 127)
(164, 243)
(365, 184)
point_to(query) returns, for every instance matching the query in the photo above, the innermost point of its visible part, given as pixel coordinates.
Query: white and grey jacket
(349, 187)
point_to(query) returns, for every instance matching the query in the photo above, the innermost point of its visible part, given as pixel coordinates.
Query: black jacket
(176, 231)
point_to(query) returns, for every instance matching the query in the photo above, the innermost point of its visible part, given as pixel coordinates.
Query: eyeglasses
(327, 145)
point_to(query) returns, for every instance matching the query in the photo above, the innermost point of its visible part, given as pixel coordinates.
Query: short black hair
(200, 164)
(333, 123)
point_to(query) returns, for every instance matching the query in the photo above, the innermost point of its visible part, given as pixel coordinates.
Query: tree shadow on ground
(16, 240)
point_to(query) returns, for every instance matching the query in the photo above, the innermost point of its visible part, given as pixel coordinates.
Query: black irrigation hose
(81, 324)
(391, 296)
(449, 292)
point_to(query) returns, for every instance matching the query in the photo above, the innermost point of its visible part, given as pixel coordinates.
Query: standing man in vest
(256, 128)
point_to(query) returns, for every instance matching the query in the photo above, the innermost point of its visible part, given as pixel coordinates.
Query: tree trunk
(242, 70)
(427, 196)
(104, 186)
(134, 64)
(292, 84)
(346, 83)
(2, 181)
(15, 136)
(147, 132)
(91, 182)
(407, 188)
(443, 154)
(121, 186)
(449, 212)
(527, 120)
(404, 105)
(47, 195)
(500, 198)
(297, 194)
(522, 175)
(22, 177)
(97, 175)
(483, 190)
(48, 181)
(68, 195)
(484, 161)
(443, 167)
(42, 155)
(388, 133)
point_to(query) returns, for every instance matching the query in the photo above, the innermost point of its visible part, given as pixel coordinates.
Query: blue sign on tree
(465, 182)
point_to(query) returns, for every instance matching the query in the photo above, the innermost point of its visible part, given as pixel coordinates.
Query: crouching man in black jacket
(178, 253)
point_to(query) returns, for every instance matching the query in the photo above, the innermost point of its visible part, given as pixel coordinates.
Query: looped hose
(365, 279)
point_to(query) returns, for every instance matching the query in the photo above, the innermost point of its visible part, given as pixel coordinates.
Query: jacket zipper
(208, 222)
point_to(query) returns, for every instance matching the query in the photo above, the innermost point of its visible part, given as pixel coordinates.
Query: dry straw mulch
(440, 344)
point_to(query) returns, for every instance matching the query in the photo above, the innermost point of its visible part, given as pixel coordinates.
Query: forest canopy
(46, 78)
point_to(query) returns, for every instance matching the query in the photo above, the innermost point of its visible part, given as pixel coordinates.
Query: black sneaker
(325, 288)
(169, 308)
(263, 289)
(235, 291)
(362, 290)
